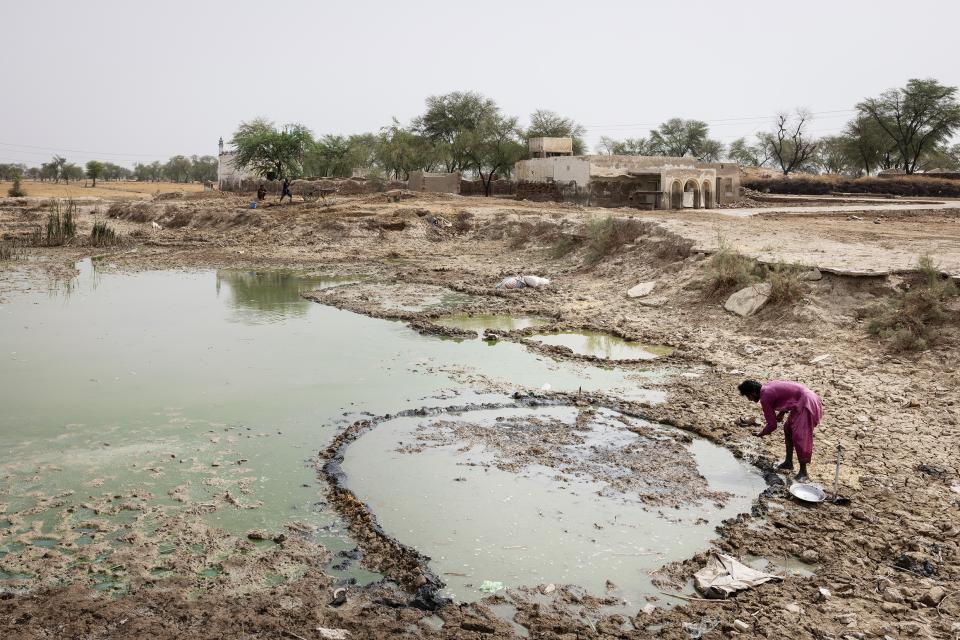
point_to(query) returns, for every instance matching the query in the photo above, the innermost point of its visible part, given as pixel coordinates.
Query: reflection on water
(271, 296)
(481, 322)
(603, 345)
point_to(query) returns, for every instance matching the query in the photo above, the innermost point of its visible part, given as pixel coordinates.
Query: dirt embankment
(886, 564)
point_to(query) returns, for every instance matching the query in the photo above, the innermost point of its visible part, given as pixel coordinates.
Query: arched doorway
(676, 195)
(691, 194)
(707, 195)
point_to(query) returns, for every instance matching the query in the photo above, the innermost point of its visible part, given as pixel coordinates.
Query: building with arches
(645, 182)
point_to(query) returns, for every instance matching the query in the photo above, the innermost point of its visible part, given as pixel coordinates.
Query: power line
(724, 121)
(93, 153)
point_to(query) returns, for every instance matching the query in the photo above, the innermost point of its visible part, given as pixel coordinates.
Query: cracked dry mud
(887, 564)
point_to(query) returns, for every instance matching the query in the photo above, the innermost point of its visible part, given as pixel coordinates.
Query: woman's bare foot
(786, 465)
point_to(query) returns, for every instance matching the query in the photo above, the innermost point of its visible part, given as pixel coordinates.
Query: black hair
(749, 388)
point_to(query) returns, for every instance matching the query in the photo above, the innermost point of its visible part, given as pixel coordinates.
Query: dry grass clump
(461, 222)
(729, 270)
(522, 233)
(786, 287)
(606, 235)
(914, 320)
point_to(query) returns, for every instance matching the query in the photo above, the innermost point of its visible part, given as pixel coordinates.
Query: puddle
(603, 345)
(175, 389)
(529, 524)
(789, 566)
(480, 323)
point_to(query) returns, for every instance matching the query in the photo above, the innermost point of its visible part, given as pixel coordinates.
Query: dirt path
(887, 564)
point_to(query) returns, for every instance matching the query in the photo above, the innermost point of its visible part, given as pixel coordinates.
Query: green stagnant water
(216, 381)
(542, 524)
(603, 345)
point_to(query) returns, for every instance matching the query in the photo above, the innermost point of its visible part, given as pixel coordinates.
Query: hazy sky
(130, 81)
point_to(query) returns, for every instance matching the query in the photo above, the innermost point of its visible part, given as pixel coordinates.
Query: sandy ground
(887, 564)
(104, 189)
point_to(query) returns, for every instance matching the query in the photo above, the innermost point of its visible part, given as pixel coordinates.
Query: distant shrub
(461, 222)
(10, 251)
(16, 191)
(564, 246)
(915, 186)
(913, 320)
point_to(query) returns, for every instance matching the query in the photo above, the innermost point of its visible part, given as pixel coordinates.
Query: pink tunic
(805, 410)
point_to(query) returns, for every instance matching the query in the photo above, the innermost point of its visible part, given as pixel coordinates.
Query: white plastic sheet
(725, 575)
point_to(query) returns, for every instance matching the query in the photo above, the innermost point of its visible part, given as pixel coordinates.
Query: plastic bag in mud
(725, 575)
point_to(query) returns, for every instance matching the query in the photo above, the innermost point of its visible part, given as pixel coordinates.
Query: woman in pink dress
(779, 397)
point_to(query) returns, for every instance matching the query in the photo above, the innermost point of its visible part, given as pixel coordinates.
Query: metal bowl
(807, 492)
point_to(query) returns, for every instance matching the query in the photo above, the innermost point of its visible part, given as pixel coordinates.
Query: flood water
(194, 383)
(544, 524)
(481, 322)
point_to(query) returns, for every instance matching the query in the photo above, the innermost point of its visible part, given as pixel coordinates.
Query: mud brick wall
(497, 188)
(539, 191)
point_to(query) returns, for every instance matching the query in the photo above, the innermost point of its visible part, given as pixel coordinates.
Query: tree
(70, 171)
(868, 146)
(450, 120)
(204, 168)
(11, 171)
(749, 155)
(268, 151)
(833, 156)
(95, 169)
(789, 143)
(177, 169)
(917, 118)
(678, 137)
(492, 147)
(56, 166)
(547, 124)
(400, 150)
(627, 147)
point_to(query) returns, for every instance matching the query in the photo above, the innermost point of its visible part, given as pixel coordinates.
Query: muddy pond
(132, 398)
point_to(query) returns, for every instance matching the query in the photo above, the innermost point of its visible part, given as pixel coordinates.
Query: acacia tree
(626, 147)
(451, 121)
(679, 137)
(94, 170)
(868, 146)
(917, 118)
(790, 143)
(493, 147)
(267, 151)
(70, 171)
(750, 155)
(832, 156)
(400, 151)
(548, 124)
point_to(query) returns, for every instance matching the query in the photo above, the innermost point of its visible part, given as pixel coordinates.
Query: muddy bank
(889, 560)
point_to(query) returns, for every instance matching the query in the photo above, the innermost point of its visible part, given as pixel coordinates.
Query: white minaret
(221, 145)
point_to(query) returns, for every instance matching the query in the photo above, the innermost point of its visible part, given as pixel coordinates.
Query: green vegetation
(675, 137)
(271, 152)
(94, 170)
(913, 321)
(16, 189)
(102, 235)
(61, 227)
